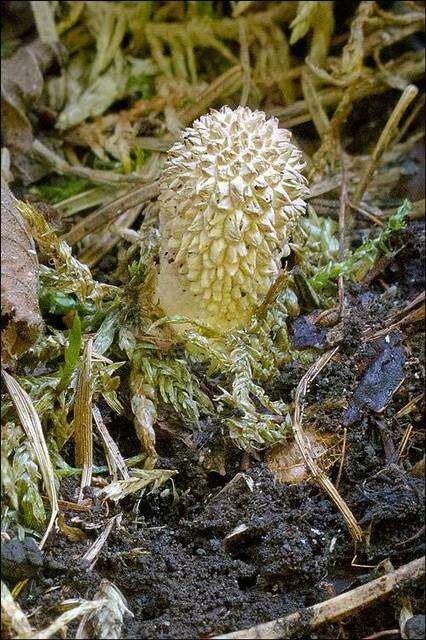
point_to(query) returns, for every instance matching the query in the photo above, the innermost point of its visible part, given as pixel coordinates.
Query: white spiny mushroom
(231, 193)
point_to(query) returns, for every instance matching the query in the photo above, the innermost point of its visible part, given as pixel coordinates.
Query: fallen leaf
(74, 534)
(20, 312)
(286, 461)
(21, 88)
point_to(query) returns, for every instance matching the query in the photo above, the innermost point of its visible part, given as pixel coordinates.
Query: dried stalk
(12, 614)
(385, 138)
(114, 458)
(334, 609)
(82, 608)
(83, 420)
(304, 446)
(342, 212)
(316, 110)
(94, 550)
(298, 112)
(418, 108)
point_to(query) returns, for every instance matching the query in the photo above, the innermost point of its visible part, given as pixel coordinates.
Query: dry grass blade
(415, 315)
(114, 458)
(61, 166)
(45, 21)
(342, 216)
(83, 419)
(404, 441)
(111, 211)
(105, 242)
(316, 110)
(121, 488)
(385, 138)
(225, 84)
(94, 550)
(106, 621)
(342, 606)
(304, 446)
(409, 407)
(33, 429)
(342, 459)
(57, 626)
(12, 615)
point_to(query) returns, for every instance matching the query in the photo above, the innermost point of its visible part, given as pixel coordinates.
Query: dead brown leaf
(21, 88)
(20, 312)
(74, 534)
(287, 463)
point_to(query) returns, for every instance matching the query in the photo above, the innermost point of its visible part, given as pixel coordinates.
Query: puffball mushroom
(231, 192)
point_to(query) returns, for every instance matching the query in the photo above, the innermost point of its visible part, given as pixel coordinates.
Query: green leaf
(72, 353)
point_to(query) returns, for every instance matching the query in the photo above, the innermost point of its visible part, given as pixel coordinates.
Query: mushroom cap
(231, 192)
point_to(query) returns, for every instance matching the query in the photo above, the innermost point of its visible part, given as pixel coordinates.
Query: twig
(334, 609)
(304, 445)
(414, 316)
(383, 634)
(315, 108)
(83, 420)
(416, 536)
(391, 126)
(408, 408)
(366, 213)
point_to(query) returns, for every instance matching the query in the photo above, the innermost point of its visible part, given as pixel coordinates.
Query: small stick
(304, 446)
(334, 609)
(317, 112)
(391, 126)
(404, 440)
(342, 459)
(383, 634)
(365, 213)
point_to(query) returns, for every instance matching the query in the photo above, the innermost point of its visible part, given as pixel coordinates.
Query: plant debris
(21, 317)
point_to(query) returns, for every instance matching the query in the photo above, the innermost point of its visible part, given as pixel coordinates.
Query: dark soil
(169, 558)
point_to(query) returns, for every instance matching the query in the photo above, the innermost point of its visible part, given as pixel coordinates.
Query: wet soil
(170, 559)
